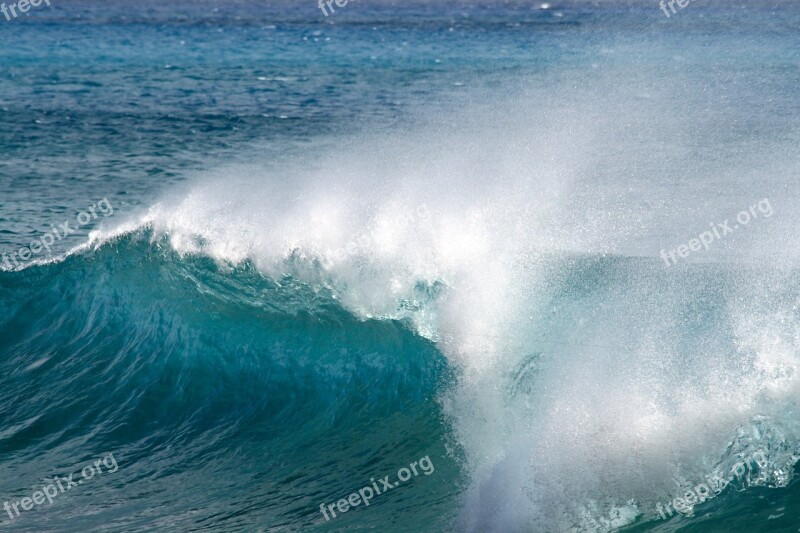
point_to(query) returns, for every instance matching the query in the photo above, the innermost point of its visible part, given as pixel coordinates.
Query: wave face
(228, 399)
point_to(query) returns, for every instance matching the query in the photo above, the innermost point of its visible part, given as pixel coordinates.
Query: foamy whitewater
(482, 281)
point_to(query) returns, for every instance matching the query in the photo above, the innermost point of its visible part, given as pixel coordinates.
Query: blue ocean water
(332, 246)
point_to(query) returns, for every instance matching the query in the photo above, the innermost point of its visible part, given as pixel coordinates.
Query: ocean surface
(254, 259)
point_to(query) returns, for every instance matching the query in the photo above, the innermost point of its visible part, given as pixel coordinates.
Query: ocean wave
(235, 386)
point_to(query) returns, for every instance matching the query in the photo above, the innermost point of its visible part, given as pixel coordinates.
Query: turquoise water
(326, 248)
